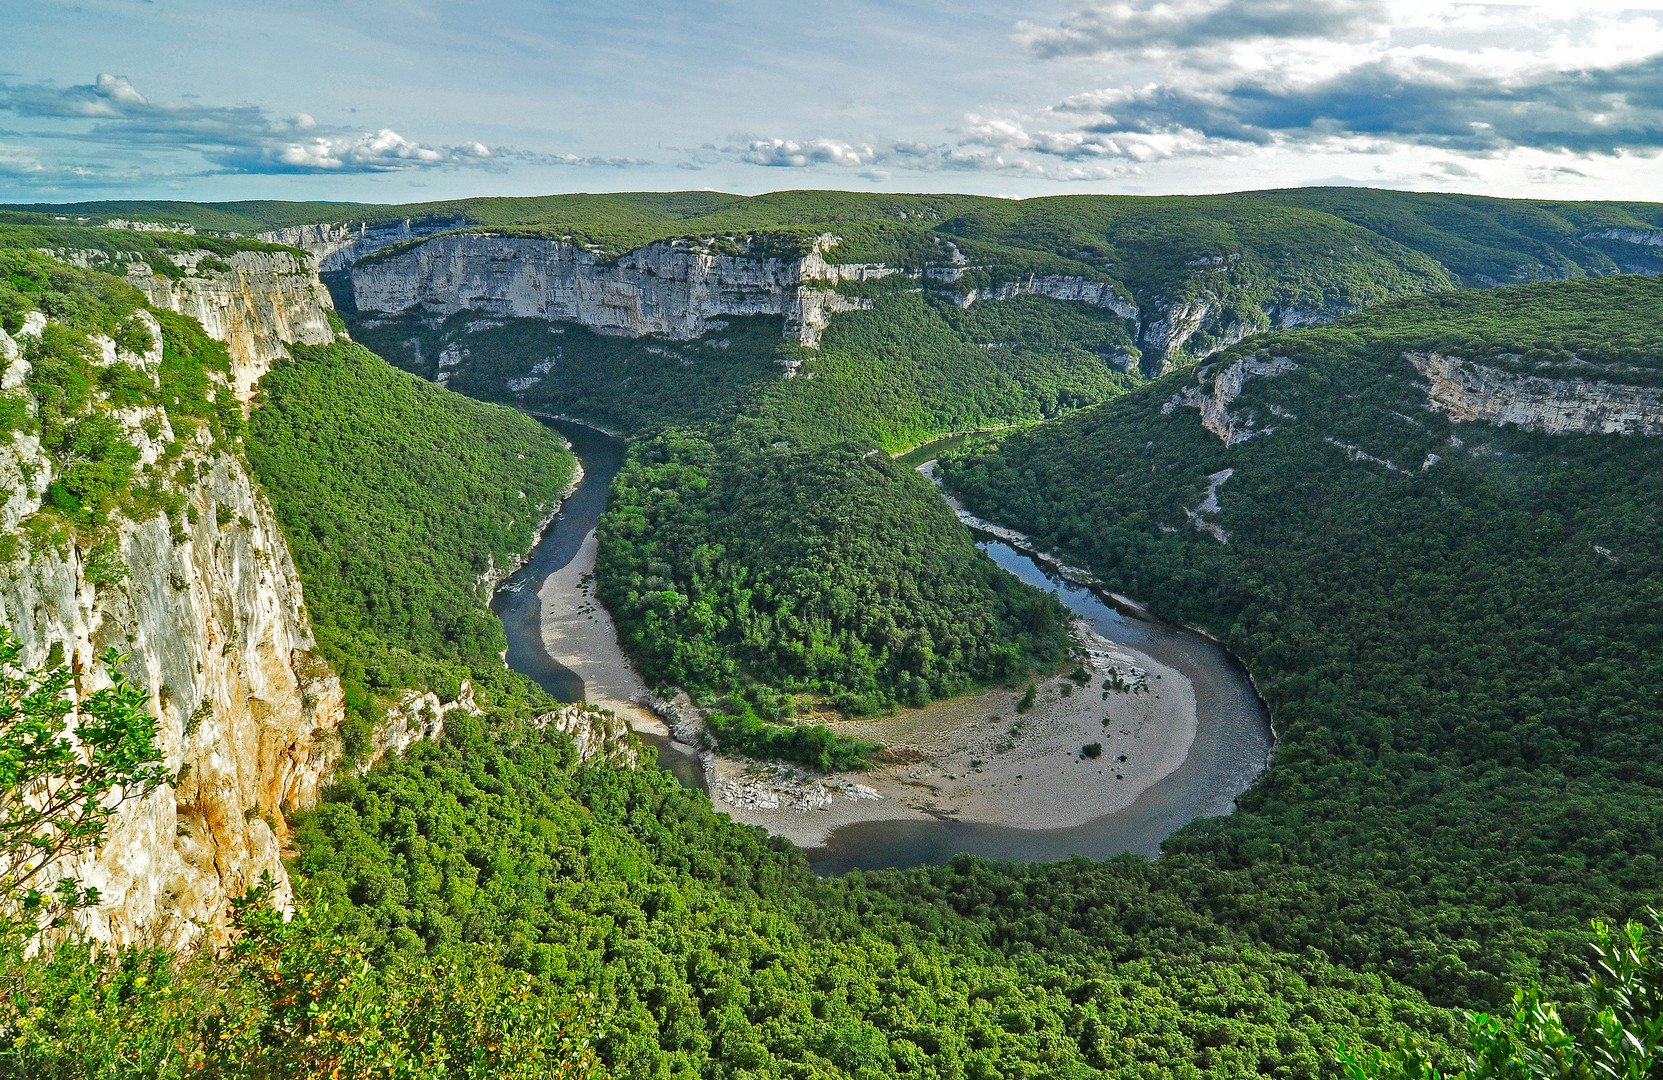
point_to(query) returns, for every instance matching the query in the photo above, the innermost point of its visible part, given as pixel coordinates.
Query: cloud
(1421, 100)
(986, 144)
(1107, 27)
(790, 154)
(246, 139)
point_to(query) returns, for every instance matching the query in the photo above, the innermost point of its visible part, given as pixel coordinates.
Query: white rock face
(217, 634)
(597, 734)
(214, 623)
(337, 246)
(1473, 392)
(668, 288)
(1057, 287)
(1643, 237)
(672, 288)
(1216, 391)
(265, 302)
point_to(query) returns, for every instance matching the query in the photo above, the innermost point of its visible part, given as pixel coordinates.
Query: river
(518, 604)
(1232, 742)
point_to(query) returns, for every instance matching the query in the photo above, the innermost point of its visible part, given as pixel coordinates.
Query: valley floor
(973, 758)
(976, 759)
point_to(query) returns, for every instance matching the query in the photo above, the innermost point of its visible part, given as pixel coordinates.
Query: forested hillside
(1455, 624)
(700, 604)
(398, 498)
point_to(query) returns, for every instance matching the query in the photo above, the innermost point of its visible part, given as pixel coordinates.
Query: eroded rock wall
(1475, 392)
(336, 246)
(1216, 389)
(669, 288)
(209, 613)
(265, 302)
(207, 607)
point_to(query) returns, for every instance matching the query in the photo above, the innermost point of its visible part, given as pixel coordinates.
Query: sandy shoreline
(578, 633)
(972, 758)
(977, 759)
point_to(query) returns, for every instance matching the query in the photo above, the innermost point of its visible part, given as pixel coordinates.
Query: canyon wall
(681, 289)
(1216, 389)
(336, 246)
(1474, 392)
(207, 607)
(671, 288)
(257, 302)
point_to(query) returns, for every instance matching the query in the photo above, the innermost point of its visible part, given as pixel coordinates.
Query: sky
(401, 101)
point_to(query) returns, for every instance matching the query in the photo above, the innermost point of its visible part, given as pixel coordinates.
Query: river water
(1232, 746)
(517, 604)
(1232, 743)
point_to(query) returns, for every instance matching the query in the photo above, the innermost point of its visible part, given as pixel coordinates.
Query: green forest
(1455, 626)
(397, 499)
(1459, 650)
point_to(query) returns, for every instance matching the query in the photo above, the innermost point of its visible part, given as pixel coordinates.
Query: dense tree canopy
(1456, 627)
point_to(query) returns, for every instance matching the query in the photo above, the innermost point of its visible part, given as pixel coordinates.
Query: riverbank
(978, 759)
(962, 774)
(579, 635)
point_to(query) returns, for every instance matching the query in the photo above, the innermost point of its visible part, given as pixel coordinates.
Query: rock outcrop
(1216, 390)
(1474, 392)
(674, 288)
(1056, 286)
(258, 304)
(1642, 237)
(206, 605)
(597, 734)
(336, 246)
(677, 288)
(208, 609)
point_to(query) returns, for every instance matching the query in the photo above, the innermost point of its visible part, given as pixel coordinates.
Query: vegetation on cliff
(1456, 627)
(1460, 653)
(397, 499)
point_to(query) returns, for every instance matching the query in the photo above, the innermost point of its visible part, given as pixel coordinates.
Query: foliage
(293, 998)
(62, 781)
(1469, 235)
(75, 394)
(1455, 627)
(1620, 1033)
(819, 570)
(397, 497)
(82, 299)
(629, 385)
(711, 951)
(739, 730)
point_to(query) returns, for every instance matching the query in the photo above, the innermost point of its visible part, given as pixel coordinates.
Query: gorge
(1421, 514)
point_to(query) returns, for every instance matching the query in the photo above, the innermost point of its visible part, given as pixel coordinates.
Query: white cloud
(245, 139)
(788, 153)
(1110, 27)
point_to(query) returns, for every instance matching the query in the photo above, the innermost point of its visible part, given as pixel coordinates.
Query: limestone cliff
(1217, 388)
(675, 288)
(336, 246)
(208, 608)
(1057, 287)
(257, 302)
(682, 289)
(1474, 392)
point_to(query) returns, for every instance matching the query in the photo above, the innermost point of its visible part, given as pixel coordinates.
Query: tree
(65, 770)
(1619, 1038)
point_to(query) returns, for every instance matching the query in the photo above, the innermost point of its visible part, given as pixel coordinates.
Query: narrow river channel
(1232, 742)
(520, 608)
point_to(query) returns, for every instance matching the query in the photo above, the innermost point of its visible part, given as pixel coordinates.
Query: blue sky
(392, 101)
